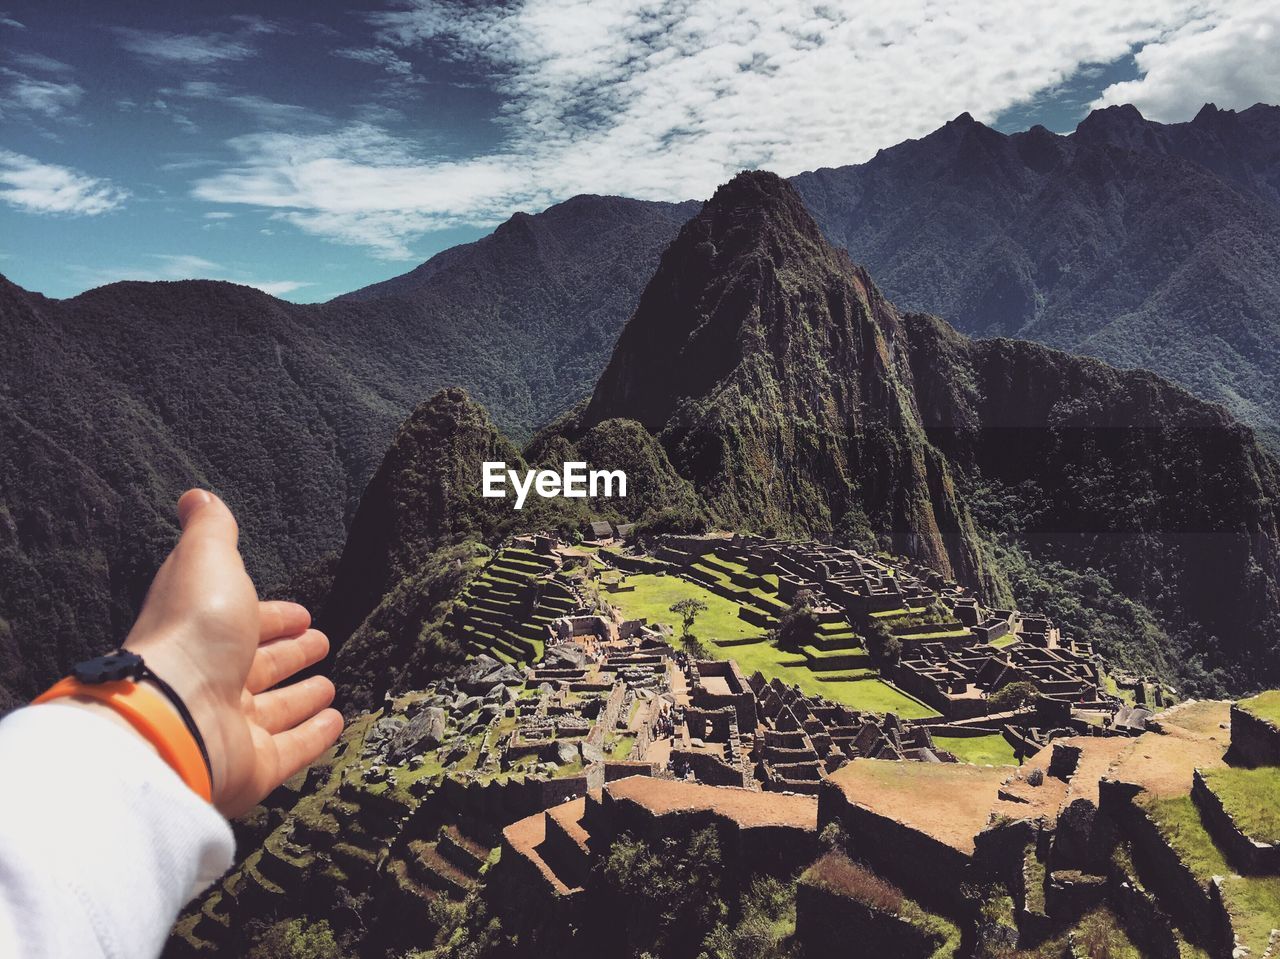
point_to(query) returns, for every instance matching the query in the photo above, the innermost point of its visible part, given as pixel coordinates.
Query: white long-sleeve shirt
(101, 843)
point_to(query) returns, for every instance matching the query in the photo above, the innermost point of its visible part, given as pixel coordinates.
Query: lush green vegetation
(1265, 706)
(403, 641)
(993, 749)
(1251, 797)
(676, 900)
(655, 594)
(836, 873)
(1013, 696)
(297, 939)
(1252, 901)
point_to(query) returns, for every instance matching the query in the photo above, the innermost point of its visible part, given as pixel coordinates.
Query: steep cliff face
(767, 366)
(425, 495)
(797, 400)
(1171, 500)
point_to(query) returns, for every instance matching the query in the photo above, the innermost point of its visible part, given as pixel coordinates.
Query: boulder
(566, 656)
(424, 731)
(508, 675)
(566, 752)
(474, 677)
(592, 753)
(381, 733)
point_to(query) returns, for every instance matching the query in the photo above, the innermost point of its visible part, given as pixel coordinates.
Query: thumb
(201, 515)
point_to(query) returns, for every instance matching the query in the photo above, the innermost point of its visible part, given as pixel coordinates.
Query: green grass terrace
(843, 675)
(1266, 706)
(989, 750)
(1253, 902)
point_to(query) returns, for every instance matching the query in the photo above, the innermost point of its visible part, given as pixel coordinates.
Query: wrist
(123, 683)
(167, 662)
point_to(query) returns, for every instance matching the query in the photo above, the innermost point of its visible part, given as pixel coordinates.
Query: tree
(1013, 696)
(297, 939)
(688, 610)
(798, 626)
(883, 646)
(693, 647)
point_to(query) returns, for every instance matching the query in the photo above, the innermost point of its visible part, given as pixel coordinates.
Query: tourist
(113, 811)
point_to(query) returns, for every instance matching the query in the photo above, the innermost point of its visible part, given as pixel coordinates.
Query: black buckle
(110, 668)
(124, 664)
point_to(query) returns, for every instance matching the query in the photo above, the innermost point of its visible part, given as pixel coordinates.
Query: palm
(204, 630)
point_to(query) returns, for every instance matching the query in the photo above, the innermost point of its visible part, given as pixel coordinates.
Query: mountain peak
(1105, 120)
(759, 192)
(756, 210)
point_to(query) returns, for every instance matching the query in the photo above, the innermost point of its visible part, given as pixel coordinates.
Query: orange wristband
(154, 719)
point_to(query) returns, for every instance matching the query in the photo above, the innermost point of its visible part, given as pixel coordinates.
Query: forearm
(101, 844)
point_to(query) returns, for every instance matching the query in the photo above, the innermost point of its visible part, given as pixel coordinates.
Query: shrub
(799, 624)
(837, 873)
(1013, 696)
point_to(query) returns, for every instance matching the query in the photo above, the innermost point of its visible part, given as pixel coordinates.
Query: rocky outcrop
(769, 367)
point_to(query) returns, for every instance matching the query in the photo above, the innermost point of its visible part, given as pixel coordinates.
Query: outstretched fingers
(277, 618)
(302, 745)
(283, 708)
(279, 659)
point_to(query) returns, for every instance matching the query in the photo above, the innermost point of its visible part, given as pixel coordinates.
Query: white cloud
(8, 21)
(218, 215)
(363, 186)
(1230, 56)
(279, 287)
(35, 187)
(383, 57)
(263, 110)
(184, 266)
(46, 97)
(38, 61)
(188, 49)
(665, 100)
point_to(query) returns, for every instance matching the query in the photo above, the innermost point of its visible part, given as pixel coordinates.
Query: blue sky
(310, 148)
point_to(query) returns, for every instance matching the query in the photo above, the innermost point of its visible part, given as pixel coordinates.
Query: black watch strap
(126, 664)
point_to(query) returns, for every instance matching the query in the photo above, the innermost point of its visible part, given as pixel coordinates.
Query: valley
(488, 812)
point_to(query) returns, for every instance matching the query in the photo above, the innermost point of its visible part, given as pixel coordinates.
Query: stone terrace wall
(927, 870)
(1246, 854)
(1254, 741)
(708, 768)
(487, 807)
(1162, 871)
(754, 846)
(637, 564)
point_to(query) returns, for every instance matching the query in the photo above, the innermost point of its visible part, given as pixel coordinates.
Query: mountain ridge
(1101, 469)
(1143, 244)
(340, 376)
(115, 401)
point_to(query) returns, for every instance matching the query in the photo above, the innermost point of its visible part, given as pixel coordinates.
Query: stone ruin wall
(1254, 741)
(896, 852)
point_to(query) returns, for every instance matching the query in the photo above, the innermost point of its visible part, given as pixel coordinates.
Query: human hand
(203, 630)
